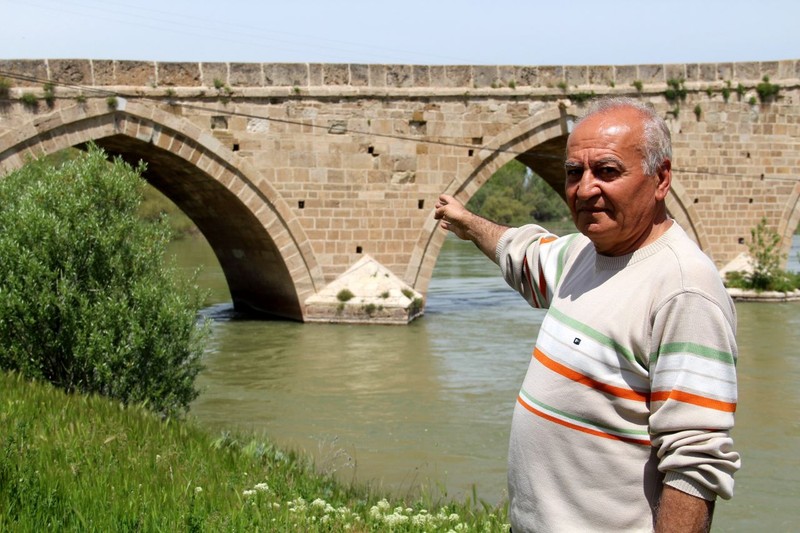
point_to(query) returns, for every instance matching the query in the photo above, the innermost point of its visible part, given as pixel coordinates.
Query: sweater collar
(605, 262)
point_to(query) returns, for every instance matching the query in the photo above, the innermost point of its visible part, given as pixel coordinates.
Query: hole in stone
(371, 150)
(741, 240)
(235, 147)
(748, 155)
(358, 249)
(750, 201)
(301, 204)
(696, 200)
(420, 204)
(762, 176)
(470, 152)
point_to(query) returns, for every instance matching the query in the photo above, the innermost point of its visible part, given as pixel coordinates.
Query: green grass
(84, 463)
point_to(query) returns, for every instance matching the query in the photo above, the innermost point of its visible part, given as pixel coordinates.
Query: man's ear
(664, 176)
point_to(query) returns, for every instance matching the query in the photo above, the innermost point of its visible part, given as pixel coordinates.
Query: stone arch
(539, 142)
(268, 262)
(790, 219)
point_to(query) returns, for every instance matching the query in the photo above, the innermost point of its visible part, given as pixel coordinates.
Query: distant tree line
(514, 195)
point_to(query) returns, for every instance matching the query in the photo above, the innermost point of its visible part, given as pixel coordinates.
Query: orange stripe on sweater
(568, 373)
(694, 399)
(596, 433)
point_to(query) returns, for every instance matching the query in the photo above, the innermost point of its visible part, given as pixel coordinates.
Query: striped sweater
(632, 382)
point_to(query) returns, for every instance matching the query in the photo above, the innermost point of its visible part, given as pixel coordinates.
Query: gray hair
(657, 145)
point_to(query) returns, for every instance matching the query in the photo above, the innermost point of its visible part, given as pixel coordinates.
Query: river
(428, 406)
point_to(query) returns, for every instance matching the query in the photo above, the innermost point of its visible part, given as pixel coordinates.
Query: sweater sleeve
(694, 394)
(531, 260)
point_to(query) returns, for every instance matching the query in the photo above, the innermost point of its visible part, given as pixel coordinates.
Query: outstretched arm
(469, 226)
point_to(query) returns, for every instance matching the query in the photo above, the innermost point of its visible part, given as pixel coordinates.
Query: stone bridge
(294, 172)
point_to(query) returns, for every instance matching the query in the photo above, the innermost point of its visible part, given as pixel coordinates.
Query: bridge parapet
(152, 75)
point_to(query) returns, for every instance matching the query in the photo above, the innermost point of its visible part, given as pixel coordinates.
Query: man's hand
(684, 513)
(468, 226)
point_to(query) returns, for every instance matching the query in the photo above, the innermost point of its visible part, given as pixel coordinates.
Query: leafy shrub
(87, 300)
(765, 258)
(345, 295)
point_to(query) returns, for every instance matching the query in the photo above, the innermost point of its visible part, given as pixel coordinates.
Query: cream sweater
(632, 382)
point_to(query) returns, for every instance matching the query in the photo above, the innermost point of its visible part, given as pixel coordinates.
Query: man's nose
(587, 186)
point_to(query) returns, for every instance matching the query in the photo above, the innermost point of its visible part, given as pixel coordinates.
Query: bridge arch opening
(268, 269)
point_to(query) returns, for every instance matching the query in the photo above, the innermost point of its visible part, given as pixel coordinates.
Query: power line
(341, 129)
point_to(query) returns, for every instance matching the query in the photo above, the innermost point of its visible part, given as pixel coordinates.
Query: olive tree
(88, 300)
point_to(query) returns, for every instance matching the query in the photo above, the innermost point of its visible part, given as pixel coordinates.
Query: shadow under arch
(267, 260)
(539, 142)
(790, 219)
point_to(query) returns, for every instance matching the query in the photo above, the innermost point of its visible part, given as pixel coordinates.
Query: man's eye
(606, 172)
(573, 172)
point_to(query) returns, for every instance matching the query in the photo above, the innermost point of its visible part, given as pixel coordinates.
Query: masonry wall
(359, 153)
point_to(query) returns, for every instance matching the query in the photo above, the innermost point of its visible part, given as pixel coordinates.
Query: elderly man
(623, 419)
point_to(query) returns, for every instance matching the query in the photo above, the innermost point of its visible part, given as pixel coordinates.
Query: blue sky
(409, 32)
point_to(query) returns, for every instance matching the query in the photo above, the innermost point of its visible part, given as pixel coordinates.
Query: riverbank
(78, 463)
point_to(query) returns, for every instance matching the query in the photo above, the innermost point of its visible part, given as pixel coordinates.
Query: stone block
(335, 74)
(485, 76)
(178, 74)
(747, 71)
(652, 73)
(575, 75)
(135, 73)
(71, 71)
(286, 74)
(771, 69)
(23, 67)
(359, 75)
(421, 75)
(600, 75)
(625, 75)
(214, 73)
(245, 75)
(457, 76)
(725, 71)
(399, 76)
(551, 76)
(675, 72)
(526, 76)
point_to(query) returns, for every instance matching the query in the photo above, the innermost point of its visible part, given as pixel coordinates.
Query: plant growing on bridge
(50, 93)
(638, 85)
(112, 102)
(30, 100)
(5, 87)
(765, 272)
(345, 295)
(675, 90)
(767, 91)
(87, 300)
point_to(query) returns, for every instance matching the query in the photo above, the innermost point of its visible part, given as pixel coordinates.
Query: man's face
(612, 202)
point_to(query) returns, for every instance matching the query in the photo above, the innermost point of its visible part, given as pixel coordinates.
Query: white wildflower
(395, 519)
(198, 490)
(319, 503)
(262, 487)
(383, 505)
(276, 505)
(454, 517)
(248, 493)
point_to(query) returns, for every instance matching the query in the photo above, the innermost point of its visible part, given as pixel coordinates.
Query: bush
(87, 300)
(765, 260)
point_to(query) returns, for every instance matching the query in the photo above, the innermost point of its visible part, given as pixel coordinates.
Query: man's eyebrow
(573, 164)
